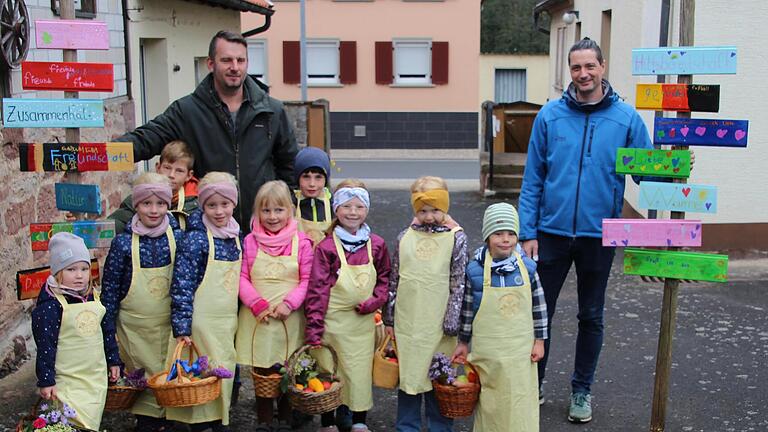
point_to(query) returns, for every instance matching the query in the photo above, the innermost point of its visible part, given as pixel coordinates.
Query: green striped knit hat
(499, 217)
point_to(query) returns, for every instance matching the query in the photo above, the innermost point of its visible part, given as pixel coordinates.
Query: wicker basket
(455, 402)
(178, 394)
(29, 418)
(265, 385)
(385, 373)
(121, 398)
(314, 403)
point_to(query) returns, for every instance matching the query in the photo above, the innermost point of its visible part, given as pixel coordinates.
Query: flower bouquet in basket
(48, 417)
(456, 391)
(309, 390)
(122, 394)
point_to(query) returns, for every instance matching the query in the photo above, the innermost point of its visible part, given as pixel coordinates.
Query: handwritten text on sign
(95, 234)
(78, 197)
(684, 60)
(67, 76)
(661, 163)
(678, 97)
(117, 156)
(71, 34)
(30, 282)
(700, 132)
(677, 265)
(678, 197)
(50, 113)
(651, 232)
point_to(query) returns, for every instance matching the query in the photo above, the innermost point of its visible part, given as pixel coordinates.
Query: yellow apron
(502, 339)
(349, 333)
(422, 298)
(179, 212)
(314, 230)
(214, 322)
(144, 322)
(274, 277)
(81, 366)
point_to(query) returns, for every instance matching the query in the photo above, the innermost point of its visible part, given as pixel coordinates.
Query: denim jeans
(593, 265)
(409, 413)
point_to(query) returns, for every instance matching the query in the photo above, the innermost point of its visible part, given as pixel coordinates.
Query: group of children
(299, 277)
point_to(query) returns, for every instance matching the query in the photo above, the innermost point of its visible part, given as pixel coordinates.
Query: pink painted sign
(651, 232)
(71, 34)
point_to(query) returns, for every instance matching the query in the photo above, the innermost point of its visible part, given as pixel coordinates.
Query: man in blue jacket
(570, 185)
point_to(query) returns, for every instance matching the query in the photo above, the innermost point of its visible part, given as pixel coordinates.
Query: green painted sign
(676, 265)
(659, 163)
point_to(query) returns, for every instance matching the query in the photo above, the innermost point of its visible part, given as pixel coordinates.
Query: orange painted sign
(678, 97)
(30, 282)
(95, 77)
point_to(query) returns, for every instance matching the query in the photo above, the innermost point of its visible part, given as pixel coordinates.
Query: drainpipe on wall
(127, 39)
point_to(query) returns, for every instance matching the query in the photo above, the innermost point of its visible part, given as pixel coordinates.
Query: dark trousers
(593, 265)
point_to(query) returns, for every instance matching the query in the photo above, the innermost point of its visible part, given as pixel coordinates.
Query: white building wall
(536, 76)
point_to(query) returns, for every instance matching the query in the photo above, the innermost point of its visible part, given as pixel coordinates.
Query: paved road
(719, 380)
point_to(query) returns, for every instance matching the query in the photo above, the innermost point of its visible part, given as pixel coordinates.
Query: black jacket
(259, 148)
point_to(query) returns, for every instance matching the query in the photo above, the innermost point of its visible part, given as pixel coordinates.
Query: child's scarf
(228, 231)
(352, 242)
(273, 243)
(139, 228)
(53, 287)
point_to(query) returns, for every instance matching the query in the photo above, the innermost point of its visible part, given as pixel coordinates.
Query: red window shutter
(384, 62)
(439, 63)
(348, 62)
(291, 62)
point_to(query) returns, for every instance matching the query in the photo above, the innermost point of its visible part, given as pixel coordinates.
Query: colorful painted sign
(95, 234)
(684, 61)
(51, 113)
(80, 157)
(78, 198)
(700, 132)
(651, 232)
(67, 76)
(30, 282)
(71, 34)
(677, 265)
(678, 197)
(660, 163)
(678, 97)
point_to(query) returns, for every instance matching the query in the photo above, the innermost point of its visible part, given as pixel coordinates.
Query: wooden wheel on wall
(14, 32)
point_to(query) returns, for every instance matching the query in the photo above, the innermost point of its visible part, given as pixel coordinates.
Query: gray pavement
(719, 381)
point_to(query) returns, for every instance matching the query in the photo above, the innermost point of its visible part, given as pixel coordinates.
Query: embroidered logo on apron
(509, 304)
(158, 287)
(361, 282)
(87, 323)
(230, 282)
(426, 249)
(274, 271)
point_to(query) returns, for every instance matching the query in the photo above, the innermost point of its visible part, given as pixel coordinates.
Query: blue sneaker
(580, 410)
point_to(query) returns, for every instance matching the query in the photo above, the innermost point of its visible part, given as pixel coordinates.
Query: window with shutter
(412, 61)
(322, 62)
(257, 59)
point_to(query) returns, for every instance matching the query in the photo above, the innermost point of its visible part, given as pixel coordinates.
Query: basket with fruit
(456, 391)
(122, 394)
(386, 370)
(266, 381)
(187, 382)
(310, 391)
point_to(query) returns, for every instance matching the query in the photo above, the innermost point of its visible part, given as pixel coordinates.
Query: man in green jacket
(230, 124)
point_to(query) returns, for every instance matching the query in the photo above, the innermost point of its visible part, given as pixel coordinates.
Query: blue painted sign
(678, 197)
(700, 132)
(684, 61)
(49, 113)
(78, 198)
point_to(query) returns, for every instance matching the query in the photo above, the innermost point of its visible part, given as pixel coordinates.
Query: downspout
(262, 29)
(126, 48)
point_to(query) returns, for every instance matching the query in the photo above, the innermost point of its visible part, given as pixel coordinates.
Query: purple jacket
(325, 269)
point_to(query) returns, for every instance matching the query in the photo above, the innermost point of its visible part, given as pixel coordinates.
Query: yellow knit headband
(437, 198)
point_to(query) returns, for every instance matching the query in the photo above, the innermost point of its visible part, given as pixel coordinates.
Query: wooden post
(669, 305)
(71, 135)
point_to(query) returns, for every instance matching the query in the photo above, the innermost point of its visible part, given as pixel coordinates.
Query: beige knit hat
(499, 217)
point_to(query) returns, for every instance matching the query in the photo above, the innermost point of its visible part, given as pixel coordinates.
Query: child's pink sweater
(250, 295)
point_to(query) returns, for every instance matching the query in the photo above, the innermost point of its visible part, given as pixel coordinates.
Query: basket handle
(294, 357)
(253, 344)
(471, 366)
(177, 353)
(383, 345)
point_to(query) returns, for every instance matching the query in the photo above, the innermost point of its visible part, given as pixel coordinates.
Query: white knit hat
(66, 249)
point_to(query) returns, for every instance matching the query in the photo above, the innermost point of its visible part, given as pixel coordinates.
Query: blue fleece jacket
(570, 182)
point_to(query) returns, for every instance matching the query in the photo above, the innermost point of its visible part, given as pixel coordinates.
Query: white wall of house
(536, 76)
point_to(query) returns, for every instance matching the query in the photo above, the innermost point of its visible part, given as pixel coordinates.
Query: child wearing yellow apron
(350, 273)
(66, 323)
(504, 315)
(204, 293)
(426, 289)
(312, 169)
(135, 291)
(277, 260)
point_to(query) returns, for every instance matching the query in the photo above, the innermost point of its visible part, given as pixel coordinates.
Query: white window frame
(264, 58)
(332, 78)
(412, 80)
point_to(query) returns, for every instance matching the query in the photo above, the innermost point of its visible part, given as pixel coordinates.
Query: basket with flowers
(456, 390)
(48, 416)
(122, 394)
(310, 391)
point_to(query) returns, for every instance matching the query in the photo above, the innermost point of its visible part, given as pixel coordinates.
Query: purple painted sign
(651, 232)
(700, 132)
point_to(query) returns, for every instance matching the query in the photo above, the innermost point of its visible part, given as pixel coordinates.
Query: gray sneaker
(541, 394)
(580, 410)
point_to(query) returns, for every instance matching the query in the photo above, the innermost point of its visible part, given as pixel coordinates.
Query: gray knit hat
(499, 217)
(66, 249)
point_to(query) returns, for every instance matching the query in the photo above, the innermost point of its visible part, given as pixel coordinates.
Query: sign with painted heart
(659, 163)
(678, 97)
(677, 265)
(30, 282)
(95, 234)
(651, 232)
(678, 197)
(80, 157)
(51, 113)
(700, 132)
(684, 61)
(71, 34)
(94, 77)
(78, 197)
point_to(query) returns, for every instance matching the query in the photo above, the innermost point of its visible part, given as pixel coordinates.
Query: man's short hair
(175, 151)
(586, 44)
(227, 36)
